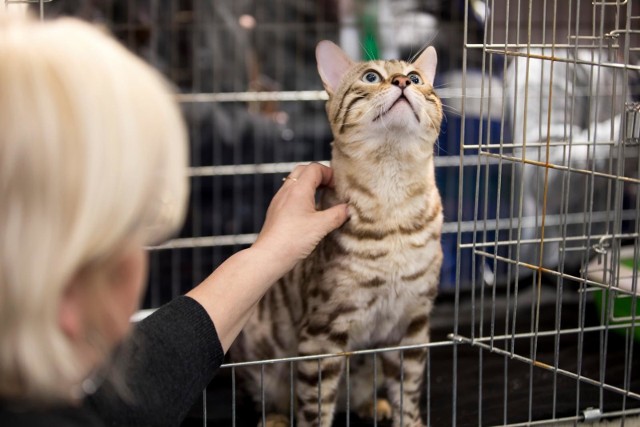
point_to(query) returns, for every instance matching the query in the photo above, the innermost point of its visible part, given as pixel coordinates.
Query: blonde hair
(92, 152)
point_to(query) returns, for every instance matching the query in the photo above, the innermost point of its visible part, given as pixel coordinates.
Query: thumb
(333, 217)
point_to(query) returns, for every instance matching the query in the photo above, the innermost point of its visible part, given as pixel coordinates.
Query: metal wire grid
(178, 37)
(522, 38)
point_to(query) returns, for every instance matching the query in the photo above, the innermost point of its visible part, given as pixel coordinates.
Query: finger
(327, 173)
(317, 174)
(334, 217)
(297, 171)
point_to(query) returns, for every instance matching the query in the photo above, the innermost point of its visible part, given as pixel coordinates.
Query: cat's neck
(388, 176)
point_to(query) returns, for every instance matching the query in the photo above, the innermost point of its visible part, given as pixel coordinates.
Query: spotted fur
(373, 281)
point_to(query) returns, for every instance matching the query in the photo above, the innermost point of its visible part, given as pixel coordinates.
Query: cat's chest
(394, 251)
(384, 263)
(386, 284)
(384, 317)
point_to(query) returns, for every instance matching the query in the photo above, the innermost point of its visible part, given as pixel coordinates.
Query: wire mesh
(537, 164)
(566, 205)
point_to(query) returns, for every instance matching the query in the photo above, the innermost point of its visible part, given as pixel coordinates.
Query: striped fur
(373, 281)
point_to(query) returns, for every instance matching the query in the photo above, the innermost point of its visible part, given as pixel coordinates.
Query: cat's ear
(333, 63)
(427, 62)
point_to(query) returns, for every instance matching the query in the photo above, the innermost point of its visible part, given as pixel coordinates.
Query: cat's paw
(381, 411)
(275, 420)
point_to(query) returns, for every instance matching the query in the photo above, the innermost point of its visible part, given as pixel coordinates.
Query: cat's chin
(397, 122)
(400, 111)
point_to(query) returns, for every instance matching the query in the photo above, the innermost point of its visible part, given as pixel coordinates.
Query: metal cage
(537, 164)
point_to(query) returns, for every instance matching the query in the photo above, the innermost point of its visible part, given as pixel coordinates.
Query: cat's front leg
(318, 390)
(318, 379)
(404, 374)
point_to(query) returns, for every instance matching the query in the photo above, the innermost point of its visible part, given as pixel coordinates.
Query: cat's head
(369, 99)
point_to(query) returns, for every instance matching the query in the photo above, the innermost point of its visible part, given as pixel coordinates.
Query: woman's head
(92, 166)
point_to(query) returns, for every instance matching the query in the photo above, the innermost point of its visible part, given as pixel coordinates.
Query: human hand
(293, 227)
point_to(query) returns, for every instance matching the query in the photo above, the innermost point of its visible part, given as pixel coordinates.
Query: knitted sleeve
(160, 371)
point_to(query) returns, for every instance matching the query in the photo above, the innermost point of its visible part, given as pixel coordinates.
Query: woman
(92, 169)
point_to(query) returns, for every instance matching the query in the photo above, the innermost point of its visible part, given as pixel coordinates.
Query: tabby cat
(372, 282)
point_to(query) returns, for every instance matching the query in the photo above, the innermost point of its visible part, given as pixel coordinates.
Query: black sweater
(165, 364)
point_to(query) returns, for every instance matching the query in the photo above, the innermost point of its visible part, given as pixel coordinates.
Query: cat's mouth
(399, 101)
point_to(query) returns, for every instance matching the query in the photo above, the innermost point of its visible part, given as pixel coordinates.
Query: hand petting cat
(293, 227)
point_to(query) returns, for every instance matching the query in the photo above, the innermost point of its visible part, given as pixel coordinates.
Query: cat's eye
(371, 77)
(415, 78)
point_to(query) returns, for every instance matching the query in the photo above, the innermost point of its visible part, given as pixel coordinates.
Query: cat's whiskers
(382, 113)
(382, 104)
(436, 142)
(444, 118)
(358, 119)
(355, 107)
(373, 103)
(451, 109)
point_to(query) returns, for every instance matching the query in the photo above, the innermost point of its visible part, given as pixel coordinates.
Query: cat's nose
(401, 81)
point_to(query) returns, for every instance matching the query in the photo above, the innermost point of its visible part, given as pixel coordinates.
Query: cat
(373, 281)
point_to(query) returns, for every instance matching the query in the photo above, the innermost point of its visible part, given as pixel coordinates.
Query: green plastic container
(622, 303)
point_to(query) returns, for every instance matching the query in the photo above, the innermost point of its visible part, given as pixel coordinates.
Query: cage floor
(529, 391)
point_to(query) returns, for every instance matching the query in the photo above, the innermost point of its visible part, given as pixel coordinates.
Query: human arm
(291, 231)
(158, 372)
(173, 354)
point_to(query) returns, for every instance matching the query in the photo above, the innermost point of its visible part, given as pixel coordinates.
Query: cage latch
(632, 123)
(602, 247)
(591, 414)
